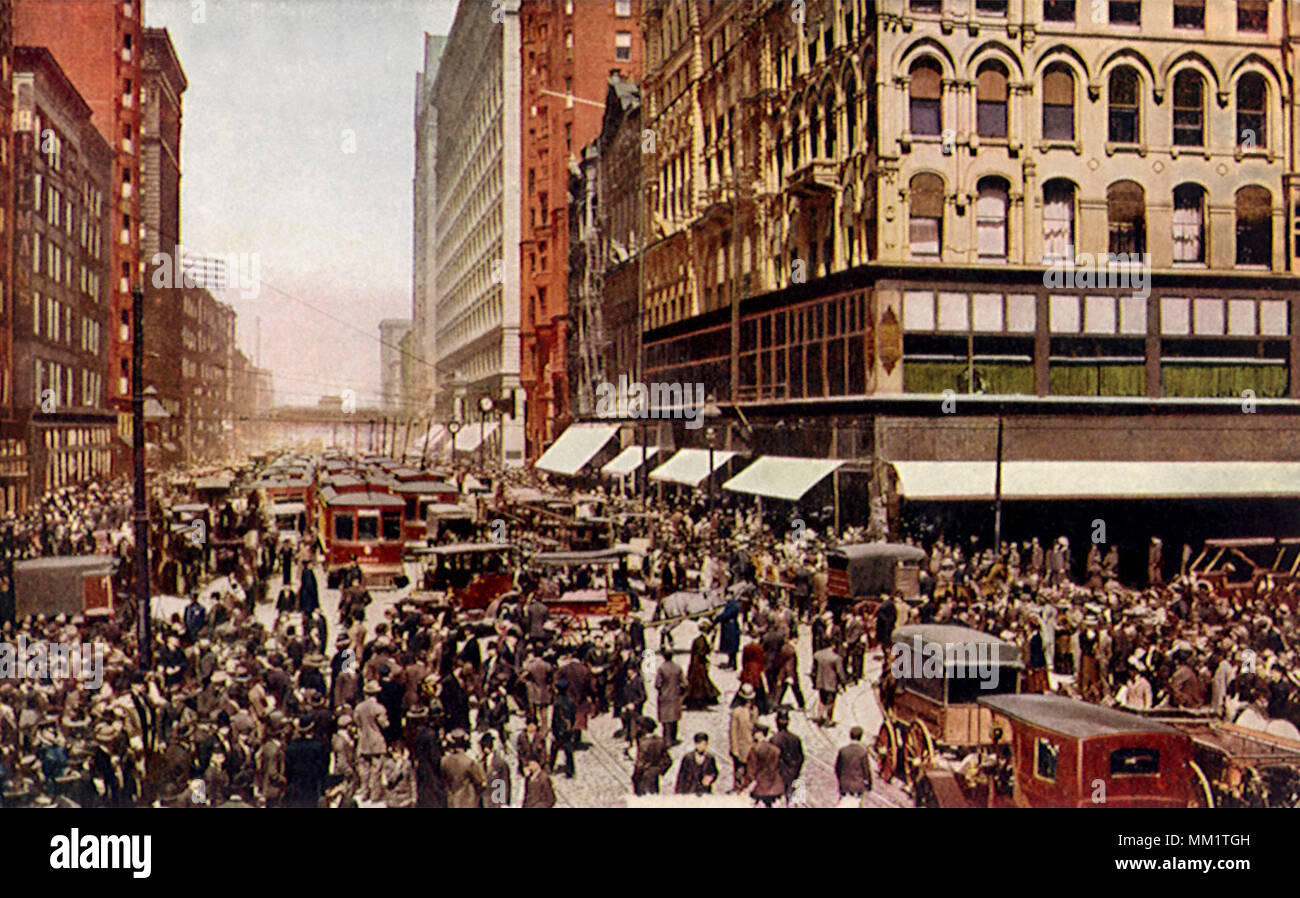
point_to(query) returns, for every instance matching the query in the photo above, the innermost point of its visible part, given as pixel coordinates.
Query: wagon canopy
(870, 566)
(952, 640)
(565, 559)
(1071, 717)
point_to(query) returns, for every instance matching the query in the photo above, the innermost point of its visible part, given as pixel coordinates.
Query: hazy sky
(297, 143)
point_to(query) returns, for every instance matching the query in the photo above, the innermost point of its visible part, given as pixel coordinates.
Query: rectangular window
(342, 526)
(1135, 762)
(623, 8)
(1189, 14)
(367, 527)
(623, 45)
(1047, 756)
(1125, 12)
(1252, 15)
(1058, 10)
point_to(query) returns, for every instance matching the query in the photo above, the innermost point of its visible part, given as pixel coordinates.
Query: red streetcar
(362, 525)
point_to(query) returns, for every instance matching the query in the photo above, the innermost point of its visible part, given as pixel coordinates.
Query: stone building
(1059, 211)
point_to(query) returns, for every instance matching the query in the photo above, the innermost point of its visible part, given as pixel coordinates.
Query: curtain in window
(1058, 221)
(1189, 226)
(991, 219)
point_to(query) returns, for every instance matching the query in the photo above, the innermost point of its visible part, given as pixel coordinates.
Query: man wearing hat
(372, 720)
(464, 776)
(853, 767)
(763, 769)
(744, 717)
(670, 687)
(791, 748)
(698, 770)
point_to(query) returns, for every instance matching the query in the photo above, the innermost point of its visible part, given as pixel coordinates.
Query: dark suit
(691, 772)
(853, 769)
(306, 762)
(652, 762)
(791, 749)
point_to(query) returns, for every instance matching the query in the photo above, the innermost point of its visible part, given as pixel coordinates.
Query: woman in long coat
(751, 671)
(729, 638)
(700, 689)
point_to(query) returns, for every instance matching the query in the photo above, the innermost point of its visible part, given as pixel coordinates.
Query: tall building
(570, 50)
(13, 443)
(98, 44)
(606, 229)
(475, 227)
(160, 189)
(208, 374)
(392, 352)
(1078, 214)
(424, 379)
(63, 173)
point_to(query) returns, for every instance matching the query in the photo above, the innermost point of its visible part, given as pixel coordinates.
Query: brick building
(161, 92)
(13, 443)
(63, 176)
(570, 49)
(98, 44)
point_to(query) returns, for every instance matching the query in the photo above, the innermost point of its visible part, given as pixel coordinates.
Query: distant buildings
(392, 355)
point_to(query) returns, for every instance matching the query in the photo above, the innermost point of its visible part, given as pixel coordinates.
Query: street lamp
(485, 406)
(453, 428)
(711, 412)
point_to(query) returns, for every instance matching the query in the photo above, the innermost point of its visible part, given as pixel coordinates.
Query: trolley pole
(144, 626)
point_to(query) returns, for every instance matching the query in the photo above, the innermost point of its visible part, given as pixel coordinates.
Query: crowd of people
(263, 698)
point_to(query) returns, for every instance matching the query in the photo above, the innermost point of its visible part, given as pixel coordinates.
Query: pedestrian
(464, 776)
(371, 720)
(306, 764)
(497, 792)
(729, 632)
(538, 791)
(698, 770)
(563, 728)
(853, 769)
(829, 679)
(744, 717)
(763, 769)
(399, 777)
(791, 748)
(670, 687)
(701, 692)
(652, 760)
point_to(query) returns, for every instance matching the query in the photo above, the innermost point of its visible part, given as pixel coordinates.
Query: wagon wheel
(1204, 794)
(919, 750)
(887, 749)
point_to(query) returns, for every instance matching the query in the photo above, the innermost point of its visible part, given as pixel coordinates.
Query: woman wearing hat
(700, 690)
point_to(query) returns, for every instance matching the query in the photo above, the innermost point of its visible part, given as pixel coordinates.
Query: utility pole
(997, 494)
(424, 454)
(144, 625)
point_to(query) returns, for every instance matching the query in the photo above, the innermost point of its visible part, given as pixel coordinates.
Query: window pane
(367, 527)
(1207, 317)
(1021, 313)
(1133, 315)
(988, 312)
(918, 311)
(1099, 315)
(1241, 317)
(343, 526)
(1175, 316)
(954, 314)
(1273, 317)
(1063, 314)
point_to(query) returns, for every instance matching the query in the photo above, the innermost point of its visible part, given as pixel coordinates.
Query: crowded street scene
(647, 404)
(693, 657)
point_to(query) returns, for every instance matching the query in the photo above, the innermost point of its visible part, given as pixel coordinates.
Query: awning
(628, 461)
(575, 447)
(782, 476)
(690, 466)
(974, 480)
(472, 434)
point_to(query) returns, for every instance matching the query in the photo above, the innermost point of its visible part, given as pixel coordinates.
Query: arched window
(1058, 103)
(1126, 211)
(814, 131)
(924, 114)
(851, 113)
(1252, 115)
(926, 201)
(1189, 109)
(1058, 220)
(1125, 121)
(1189, 223)
(1254, 226)
(828, 101)
(991, 100)
(991, 218)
